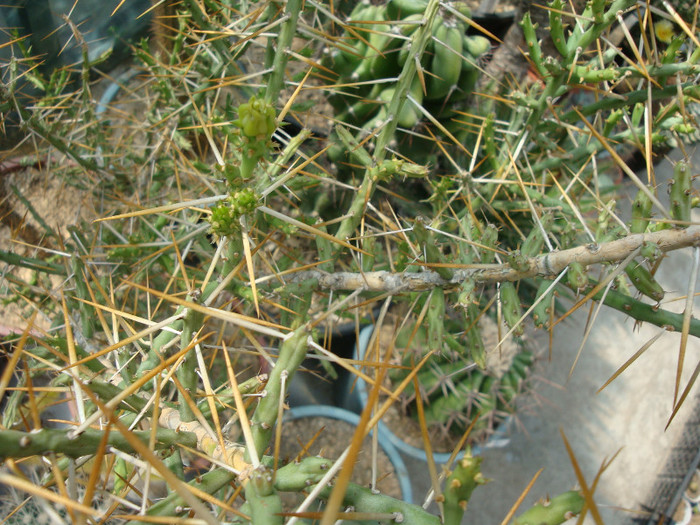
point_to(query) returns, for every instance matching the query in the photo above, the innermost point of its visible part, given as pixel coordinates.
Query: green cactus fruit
(257, 119)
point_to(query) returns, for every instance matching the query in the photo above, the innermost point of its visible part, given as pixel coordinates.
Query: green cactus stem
(363, 500)
(553, 511)
(427, 242)
(16, 444)
(477, 350)
(226, 397)
(32, 263)
(264, 502)
(278, 62)
(293, 477)
(459, 486)
(556, 25)
(533, 45)
(436, 319)
(153, 357)
(420, 40)
(646, 312)
(106, 391)
(681, 190)
(187, 371)
(292, 353)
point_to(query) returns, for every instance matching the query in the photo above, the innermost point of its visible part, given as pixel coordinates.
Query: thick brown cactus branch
(543, 265)
(232, 455)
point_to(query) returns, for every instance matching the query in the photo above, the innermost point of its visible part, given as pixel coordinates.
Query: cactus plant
(456, 394)
(219, 235)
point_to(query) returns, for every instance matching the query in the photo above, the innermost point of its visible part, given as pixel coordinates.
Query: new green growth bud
(459, 487)
(257, 119)
(553, 511)
(225, 215)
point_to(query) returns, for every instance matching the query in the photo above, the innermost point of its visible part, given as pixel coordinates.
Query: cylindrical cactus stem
(87, 319)
(275, 81)
(557, 27)
(265, 502)
(121, 472)
(174, 464)
(577, 276)
(641, 212)
(293, 477)
(681, 192)
(435, 374)
(209, 483)
(553, 511)
(542, 312)
(646, 312)
(436, 319)
(477, 351)
(363, 500)
(512, 311)
(292, 353)
(488, 241)
(459, 486)
(106, 391)
(153, 358)
(16, 444)
(533, 45)
(455, 401)
(187, 371)
(225, 397)
(644, 281)
(298, 476)
(426, 240)
(534, 242)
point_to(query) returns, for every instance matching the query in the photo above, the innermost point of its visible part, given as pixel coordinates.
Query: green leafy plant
(220, 238)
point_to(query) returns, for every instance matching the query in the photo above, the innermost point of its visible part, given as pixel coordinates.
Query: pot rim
(384, 438)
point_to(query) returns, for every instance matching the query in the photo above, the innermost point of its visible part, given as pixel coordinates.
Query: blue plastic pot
(385, 441)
